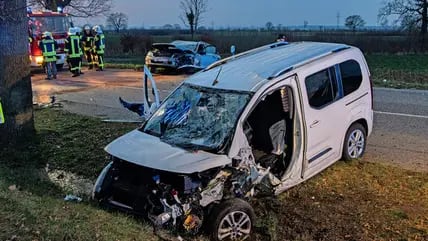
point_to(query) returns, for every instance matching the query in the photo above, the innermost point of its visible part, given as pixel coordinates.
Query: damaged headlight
(97, 187)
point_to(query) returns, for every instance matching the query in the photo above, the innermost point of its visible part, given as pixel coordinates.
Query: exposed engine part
(249, 175)
(176, 202)
(162, 218)
(214, 191)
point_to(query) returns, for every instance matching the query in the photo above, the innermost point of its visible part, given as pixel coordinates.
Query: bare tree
(408, 12)
(15, 81)
(77, 8)
(193, 11)
(269, 26)
(117, 21)
(354, 21)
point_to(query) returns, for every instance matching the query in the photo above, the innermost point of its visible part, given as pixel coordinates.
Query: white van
(258, 122)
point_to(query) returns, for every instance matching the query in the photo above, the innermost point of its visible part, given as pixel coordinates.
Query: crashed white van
(256, 123)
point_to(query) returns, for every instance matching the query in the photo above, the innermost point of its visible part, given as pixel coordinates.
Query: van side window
(321, 87)
(351, 76)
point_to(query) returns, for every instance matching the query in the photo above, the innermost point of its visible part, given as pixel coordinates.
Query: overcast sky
(246, 13)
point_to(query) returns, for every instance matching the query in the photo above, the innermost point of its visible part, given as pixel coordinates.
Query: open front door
(150, 107)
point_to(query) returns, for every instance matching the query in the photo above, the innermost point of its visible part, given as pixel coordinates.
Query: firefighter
(99, 46)
(48, 46)
(73, 51)
(88, 44)
(282, 38)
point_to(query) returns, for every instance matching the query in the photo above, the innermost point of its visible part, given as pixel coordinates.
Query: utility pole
(338, 19)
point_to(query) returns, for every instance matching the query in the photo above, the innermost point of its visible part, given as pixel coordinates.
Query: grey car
(181, 55)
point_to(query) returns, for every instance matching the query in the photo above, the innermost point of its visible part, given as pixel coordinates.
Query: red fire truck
(55, 22)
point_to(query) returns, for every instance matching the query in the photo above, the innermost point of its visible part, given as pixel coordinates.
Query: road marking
(136, 88)
(401, 114)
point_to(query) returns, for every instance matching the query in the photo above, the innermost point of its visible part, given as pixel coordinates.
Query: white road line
(401, 114)
(136, 88)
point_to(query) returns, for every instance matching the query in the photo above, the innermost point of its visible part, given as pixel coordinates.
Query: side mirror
(232, 49)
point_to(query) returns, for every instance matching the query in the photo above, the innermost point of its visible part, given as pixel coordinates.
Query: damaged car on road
(186, 56)
(254, 124)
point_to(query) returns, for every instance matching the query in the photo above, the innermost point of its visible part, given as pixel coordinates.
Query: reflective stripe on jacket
(1, 114)
(48, 50)
(100, 43)
(88, 42)
(72, 46)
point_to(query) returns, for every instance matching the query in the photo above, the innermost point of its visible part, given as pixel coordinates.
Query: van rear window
(351, 76)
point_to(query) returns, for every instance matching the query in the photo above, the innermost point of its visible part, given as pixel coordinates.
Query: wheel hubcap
(356, 144)
(235, 226)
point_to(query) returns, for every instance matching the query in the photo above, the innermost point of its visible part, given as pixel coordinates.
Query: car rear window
(351, 76)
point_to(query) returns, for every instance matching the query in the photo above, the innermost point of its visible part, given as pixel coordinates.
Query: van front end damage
(180, 203)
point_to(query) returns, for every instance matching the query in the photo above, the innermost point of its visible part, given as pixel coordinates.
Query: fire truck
(58, 24)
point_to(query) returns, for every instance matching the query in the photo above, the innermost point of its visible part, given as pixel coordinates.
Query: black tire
(356, 137)
(235, 209)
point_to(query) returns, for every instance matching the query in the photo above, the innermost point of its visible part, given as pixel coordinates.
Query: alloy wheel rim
(356, 143)
(234, 226)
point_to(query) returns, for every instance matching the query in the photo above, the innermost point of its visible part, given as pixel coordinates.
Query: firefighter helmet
(87, 28)
(78, 30)
(46, 34)
(97, 29)
(72, 31)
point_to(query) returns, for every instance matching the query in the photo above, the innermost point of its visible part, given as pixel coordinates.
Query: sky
(248, 13)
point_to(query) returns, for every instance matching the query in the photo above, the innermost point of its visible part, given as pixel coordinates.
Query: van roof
(249, 70)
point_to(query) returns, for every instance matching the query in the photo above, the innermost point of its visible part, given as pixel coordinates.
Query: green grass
(399, 71)
(349, 201)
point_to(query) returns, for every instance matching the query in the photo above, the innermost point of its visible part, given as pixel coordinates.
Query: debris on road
(70, 182)
(71, 197)
(12, 187)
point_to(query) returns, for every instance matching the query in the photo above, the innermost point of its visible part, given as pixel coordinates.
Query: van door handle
(315, 123)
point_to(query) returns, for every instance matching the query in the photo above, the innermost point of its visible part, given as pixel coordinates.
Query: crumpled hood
(146, 150)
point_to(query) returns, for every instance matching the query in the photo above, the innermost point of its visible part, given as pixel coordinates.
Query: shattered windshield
(197, 117)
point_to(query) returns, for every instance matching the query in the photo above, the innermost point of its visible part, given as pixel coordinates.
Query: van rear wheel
(355, 142)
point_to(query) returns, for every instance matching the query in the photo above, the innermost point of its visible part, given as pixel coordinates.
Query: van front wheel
(355, 142)
(231, 220)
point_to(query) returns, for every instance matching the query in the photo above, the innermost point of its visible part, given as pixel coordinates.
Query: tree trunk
(424, 24)
(15, 81)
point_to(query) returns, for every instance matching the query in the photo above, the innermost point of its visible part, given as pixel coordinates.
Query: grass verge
(349, 201)
(399, 71)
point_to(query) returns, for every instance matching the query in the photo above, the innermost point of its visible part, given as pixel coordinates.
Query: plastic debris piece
(71, 197)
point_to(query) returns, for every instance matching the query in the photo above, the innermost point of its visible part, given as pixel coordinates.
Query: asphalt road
(400, 135)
